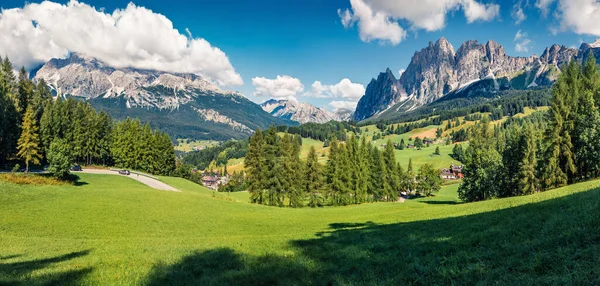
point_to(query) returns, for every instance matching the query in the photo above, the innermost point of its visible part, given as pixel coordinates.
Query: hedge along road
(153, 183)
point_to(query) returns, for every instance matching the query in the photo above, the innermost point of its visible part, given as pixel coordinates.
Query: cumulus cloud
(282, 87)
(579, 16)
(378, 19)
(372, 25)
(401, 72)
(343, 104)
(289, 88)
(344, 89)
(131, 37)
(522, 42)
(517, 13)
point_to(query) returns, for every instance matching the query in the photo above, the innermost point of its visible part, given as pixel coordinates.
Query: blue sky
(306, 39)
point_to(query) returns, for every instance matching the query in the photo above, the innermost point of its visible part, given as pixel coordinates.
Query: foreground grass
(114, 230)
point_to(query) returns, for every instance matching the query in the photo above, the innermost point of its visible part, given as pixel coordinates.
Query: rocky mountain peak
(299, 111)
(83, 76)
(437, 70)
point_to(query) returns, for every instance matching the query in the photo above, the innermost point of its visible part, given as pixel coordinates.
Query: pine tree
(255, 167)
(437, 150)
(561, 116)
(482, 165)
(9, 118)
(312, 178)
(389, 157)
(28, 144)
(376, 187)
(528, 182)
(24, 92)
(587, 126)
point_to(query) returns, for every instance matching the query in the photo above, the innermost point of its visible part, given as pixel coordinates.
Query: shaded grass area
(528, 245)
(137, 235)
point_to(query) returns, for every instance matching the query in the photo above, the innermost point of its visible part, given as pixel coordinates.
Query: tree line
(541, 152)
(35, 129)
(355, 172)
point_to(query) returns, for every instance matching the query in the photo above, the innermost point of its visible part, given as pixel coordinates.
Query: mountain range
(303, 112)
(439, 70)
(183, 105)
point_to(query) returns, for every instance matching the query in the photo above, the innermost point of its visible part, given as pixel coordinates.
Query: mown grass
(114, 230)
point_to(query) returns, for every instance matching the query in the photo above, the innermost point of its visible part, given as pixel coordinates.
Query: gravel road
(153, 183)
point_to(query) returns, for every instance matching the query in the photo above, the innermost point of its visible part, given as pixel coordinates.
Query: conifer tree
(28, 144)
(528, 182)
(9, 118)
(389, 157)
(24, 92)
(255, 167)
(482, 165)
(560, 163)
(312, 178)
(587, 127)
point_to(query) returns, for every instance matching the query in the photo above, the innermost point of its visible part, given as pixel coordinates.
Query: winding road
(150, 182)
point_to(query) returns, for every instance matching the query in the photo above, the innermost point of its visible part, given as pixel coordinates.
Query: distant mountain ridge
(183, 105)
(302, 112)
(438, 70)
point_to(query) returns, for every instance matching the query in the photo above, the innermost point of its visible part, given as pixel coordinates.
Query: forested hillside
(36, 130)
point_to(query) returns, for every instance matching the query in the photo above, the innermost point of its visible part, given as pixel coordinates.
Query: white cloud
(282, 87)
(517, 13)
(544, 6)
(343, 104)
(344, 89)
(522, 42)
(579, 16)
(401, 72)
(130, 37)
(378, 19)
(372, 25)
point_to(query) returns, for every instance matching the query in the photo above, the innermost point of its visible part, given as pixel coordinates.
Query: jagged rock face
(299, 112)
(87, 77)
(438, 70)
(379, 95)
(429, 71)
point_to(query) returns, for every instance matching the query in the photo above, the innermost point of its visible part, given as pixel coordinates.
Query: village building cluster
(452, 173)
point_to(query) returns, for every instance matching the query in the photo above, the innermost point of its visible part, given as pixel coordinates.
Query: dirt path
(153, 183)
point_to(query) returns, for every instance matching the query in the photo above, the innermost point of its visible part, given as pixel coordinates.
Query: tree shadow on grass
(550, 242)
(20, 273)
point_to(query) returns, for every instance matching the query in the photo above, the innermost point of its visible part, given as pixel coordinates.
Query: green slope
(113, 230)
(185, 122)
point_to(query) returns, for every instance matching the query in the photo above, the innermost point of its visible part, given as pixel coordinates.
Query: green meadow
(111, 230)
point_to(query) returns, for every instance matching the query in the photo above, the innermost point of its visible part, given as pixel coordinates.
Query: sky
(324, 52)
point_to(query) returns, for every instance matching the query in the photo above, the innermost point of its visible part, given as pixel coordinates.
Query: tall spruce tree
(392, 178)
(312, 178)
(482, 165)
(560, 162)
(255, 167)
(587, 127)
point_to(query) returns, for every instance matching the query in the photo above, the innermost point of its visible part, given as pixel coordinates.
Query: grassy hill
(113, 230)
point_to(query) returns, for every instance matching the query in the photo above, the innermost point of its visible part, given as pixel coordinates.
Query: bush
(60, 159)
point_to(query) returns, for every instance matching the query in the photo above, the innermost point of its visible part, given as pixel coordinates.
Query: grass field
(114, 230)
